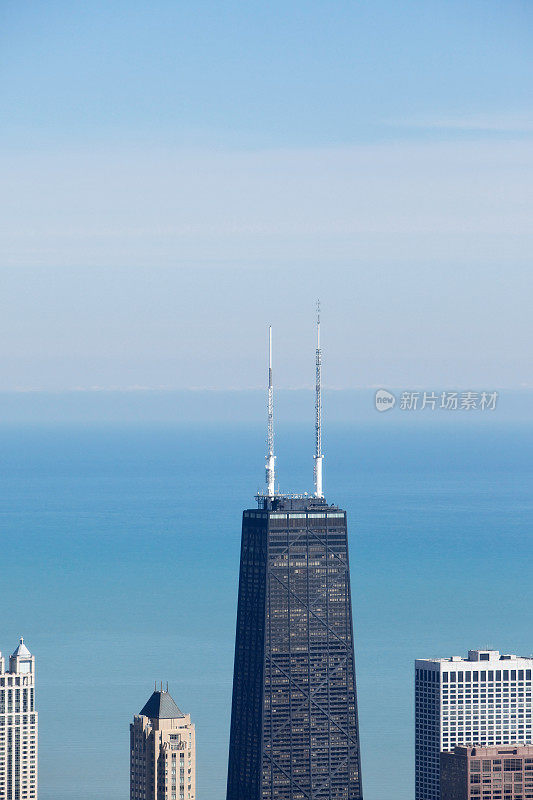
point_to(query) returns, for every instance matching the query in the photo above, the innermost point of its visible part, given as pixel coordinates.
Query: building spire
(270, 458)
(318, 410)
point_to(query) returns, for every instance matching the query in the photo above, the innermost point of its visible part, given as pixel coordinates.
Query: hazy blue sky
(175, 175)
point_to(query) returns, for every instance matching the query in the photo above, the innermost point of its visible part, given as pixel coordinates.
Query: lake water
(119, 564)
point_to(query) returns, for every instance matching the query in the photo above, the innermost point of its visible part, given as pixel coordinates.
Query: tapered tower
(18, 726)
(294, 728)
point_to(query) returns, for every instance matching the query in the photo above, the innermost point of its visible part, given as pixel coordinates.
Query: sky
(176, 176)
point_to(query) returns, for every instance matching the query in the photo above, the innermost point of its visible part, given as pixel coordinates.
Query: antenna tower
(318, 410)
(270, 458)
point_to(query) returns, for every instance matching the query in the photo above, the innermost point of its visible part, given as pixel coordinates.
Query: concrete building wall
(484, 699)
(487, 773)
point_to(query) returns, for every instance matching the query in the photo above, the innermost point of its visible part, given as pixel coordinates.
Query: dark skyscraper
(294, 730)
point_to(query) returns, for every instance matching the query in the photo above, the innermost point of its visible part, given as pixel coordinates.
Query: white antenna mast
(270, 458)
(318, 410)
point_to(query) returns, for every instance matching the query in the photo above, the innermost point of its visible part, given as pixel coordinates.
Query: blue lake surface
(119, 564)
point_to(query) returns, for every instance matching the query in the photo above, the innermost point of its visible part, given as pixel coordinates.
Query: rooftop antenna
(270, 458)
(318, 410)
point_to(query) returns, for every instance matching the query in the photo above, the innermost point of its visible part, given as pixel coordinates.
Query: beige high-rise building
(18, 726)
(162, 752)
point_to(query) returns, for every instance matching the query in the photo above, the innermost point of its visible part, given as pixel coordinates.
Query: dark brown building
(487, 773)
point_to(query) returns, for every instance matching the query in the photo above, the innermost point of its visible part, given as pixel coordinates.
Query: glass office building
(294, 729)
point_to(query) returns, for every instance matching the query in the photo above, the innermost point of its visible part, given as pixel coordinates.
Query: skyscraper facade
(294, 731)
(487, 773)
(482, 700)
(18, 726)
(162, 752)
(294, 727)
